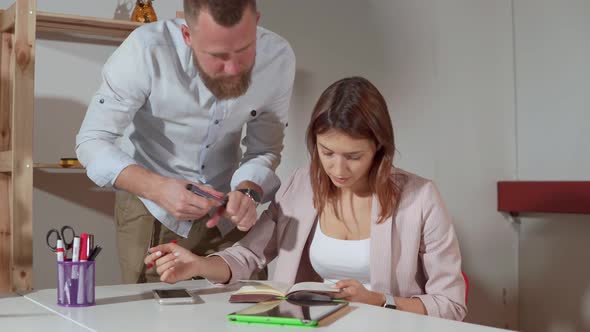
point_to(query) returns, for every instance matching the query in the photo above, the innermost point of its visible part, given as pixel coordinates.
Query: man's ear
(257, 17)
(186, 35)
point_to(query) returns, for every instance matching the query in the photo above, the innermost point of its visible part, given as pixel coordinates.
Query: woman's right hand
(172, 262)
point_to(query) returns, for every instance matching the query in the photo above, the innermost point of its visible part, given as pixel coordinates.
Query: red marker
(83, 247)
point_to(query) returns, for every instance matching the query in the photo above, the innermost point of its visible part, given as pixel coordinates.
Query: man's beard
(226, 87)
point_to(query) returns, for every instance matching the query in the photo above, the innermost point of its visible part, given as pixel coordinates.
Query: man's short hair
(226, 13)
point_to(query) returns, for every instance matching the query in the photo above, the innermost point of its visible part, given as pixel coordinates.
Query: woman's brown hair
(355, 107)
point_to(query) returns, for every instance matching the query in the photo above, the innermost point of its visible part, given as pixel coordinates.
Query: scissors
(66, 234)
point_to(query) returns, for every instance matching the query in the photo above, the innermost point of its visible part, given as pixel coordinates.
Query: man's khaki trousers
(137, 228)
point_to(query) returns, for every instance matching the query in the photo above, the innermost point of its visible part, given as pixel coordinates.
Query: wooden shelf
(6, 164)
(19, 25)
(51, 166)
(517, 197)
(56, 168)
(84, 25)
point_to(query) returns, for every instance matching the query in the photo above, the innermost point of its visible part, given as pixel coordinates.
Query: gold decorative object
(144, 12)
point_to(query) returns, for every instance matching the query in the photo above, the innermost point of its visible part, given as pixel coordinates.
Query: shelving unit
(517, 197)
(19, 25)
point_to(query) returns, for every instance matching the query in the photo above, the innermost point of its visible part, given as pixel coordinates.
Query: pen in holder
(76, 283)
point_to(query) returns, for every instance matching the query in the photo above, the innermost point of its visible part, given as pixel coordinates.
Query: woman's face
(345, 159)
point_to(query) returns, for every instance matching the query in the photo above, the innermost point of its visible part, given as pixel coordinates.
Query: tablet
(287, 312)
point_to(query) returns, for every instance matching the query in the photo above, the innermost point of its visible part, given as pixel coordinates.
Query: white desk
(20, 314)
(132, 308)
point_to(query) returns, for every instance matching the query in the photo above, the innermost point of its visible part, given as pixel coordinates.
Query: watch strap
(252, 194)
(389, 302)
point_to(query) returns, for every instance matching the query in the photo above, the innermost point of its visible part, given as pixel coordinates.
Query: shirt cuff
(429, 304)
(262, 176)
(108, 163)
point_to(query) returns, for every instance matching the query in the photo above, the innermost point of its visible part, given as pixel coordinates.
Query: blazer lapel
(380, 259)
(300, 225)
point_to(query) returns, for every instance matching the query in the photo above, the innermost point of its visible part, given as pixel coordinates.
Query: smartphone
(202, 193)
(173, 296)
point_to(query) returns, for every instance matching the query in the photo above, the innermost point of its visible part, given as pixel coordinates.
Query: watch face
(390, 306)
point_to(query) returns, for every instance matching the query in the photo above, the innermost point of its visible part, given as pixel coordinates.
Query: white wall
(553, 89)
(445, 67)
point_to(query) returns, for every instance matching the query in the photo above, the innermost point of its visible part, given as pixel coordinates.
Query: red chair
(466, 286)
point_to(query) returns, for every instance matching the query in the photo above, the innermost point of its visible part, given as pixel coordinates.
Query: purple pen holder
(76, 282)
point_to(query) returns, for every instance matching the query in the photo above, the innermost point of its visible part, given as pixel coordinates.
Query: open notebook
(262, 290)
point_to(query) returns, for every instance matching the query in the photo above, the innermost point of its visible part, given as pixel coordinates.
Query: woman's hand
(353, 291)
(172, 262)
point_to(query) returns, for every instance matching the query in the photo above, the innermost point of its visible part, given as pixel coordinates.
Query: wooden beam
(517, 197)
(23, 96)
(5, 183)
(7, 18)
(5, 234)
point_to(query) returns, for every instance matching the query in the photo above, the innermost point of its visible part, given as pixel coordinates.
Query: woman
(381, 234)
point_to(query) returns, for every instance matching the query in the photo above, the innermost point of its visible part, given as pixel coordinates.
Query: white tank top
(335, 259)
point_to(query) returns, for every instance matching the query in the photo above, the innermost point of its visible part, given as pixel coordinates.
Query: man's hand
(182, 203)
(169, 193)
(240, 209)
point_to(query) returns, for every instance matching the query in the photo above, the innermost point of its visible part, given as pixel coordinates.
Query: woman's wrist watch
(389, 302)
(254, 196)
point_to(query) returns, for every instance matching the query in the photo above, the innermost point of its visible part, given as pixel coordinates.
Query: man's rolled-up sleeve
(124, 90)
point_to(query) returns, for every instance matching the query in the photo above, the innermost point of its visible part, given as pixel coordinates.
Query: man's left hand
(240, 209)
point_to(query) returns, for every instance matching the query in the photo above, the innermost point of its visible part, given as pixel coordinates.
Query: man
(170, 111)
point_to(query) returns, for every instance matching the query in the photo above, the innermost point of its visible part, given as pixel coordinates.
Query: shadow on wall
(123, 10)
(57, 123)
(75, 39)
(554, 269)
(480, 296)
(77, 189)
(299, 115)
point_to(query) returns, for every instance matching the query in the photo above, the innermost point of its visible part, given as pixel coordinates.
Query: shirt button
(216, 122)
(287, 124)
(253, 113)
(202, 166)
(207, 146)
(101, 101)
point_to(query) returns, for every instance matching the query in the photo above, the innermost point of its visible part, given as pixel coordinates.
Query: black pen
(205, 194)
(95, 253)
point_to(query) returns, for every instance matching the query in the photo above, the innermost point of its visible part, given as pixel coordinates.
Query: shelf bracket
(5, 161)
